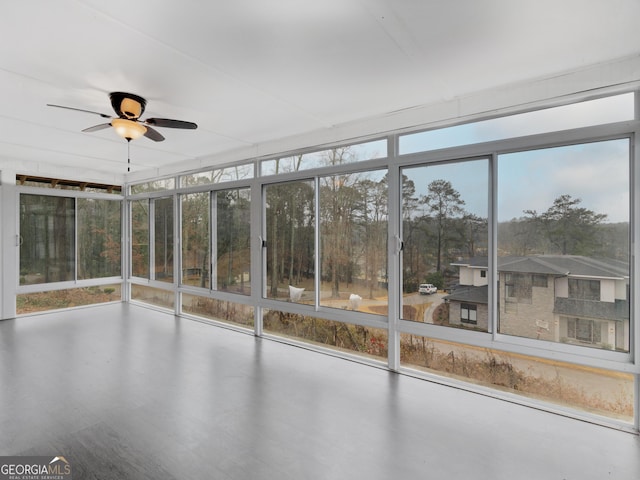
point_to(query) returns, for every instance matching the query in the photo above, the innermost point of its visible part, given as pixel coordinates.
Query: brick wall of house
(531, 320)
(482, 316)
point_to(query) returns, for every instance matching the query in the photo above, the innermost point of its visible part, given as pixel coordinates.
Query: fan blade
(103, 115)
(153, 135)
(168, 123)
(95, 128)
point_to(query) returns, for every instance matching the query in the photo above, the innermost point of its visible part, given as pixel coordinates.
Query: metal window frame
(393, 162)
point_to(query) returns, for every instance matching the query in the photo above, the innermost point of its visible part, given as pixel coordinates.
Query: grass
(57, 299)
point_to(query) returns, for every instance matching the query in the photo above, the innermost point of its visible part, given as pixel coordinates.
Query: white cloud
(597, 173)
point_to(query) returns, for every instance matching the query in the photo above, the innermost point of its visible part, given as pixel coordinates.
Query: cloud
(597, 173)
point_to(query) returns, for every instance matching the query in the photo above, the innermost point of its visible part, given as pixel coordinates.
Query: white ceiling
(251, 72)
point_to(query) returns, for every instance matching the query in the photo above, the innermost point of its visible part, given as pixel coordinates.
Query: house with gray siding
(560, 298)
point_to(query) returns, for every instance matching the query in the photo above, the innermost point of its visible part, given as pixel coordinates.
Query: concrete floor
(124, 392)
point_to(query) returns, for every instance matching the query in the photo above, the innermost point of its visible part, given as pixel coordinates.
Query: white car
(427, 289)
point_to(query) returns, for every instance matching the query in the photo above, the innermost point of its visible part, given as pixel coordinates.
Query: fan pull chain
(128, 154)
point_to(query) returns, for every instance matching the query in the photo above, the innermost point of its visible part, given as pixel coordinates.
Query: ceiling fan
(128, 124)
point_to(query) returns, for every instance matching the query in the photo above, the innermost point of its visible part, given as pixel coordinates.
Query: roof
(469, 294)
(557, 265)
(575, 307)
(473, 262)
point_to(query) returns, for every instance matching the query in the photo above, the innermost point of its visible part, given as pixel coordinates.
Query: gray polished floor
(125, 392)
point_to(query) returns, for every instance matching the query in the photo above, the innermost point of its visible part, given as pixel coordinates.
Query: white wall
(607, 291)
(478, 279)
(8, 244)
(562, 287)
(466, 276)
(621, 290)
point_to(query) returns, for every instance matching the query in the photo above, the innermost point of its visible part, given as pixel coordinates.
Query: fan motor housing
(127, 105)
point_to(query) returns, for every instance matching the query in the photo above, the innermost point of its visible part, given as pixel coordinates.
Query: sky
(469, 178)
(597, 173)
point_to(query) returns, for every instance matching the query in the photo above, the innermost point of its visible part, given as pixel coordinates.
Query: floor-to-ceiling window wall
(537, 283)
(152, 223)
(215, 262)
(563, 244)
(70, 237)
(499, 255)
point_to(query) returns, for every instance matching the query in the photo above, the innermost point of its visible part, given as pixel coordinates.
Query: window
(353, 241)
(230, 210)
(163, 236)
(140, 238)
(219, 175)
(99, 238)
(563, 213)
(219, 310)
(468, 313)
(588, 331)
(232, 241)
(517, 287)
(66, 239)
(47, 239)
(593, 112)
(560, 219)
(588, 389)
(290, 241)
(582, 289)
(196, 240)
(324, 158)
(153, 296)
(73, 297)
(344, 337)
(444, 222)
(539, 281)
(154, 186)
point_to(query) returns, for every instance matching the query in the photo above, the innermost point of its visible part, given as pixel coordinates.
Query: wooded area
(49, 231)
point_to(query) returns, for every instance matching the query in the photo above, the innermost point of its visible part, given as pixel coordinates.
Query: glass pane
(47, 239)
(344, 337)
(564, 215)
(233, 241)
(591, 390)
(163, 229)
(219, 310)
(594, 112)
(236, 172)
(196, 259)
(153, 296)
(140, 238)
(73, 297)
(290, 248)
(155, 186)
(353, 241)
(200, 178)
(323, 158)
(219, 175)
(99, 238)
(445, 235)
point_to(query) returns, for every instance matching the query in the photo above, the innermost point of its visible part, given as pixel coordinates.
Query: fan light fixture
(128, 124)
(128, 129)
